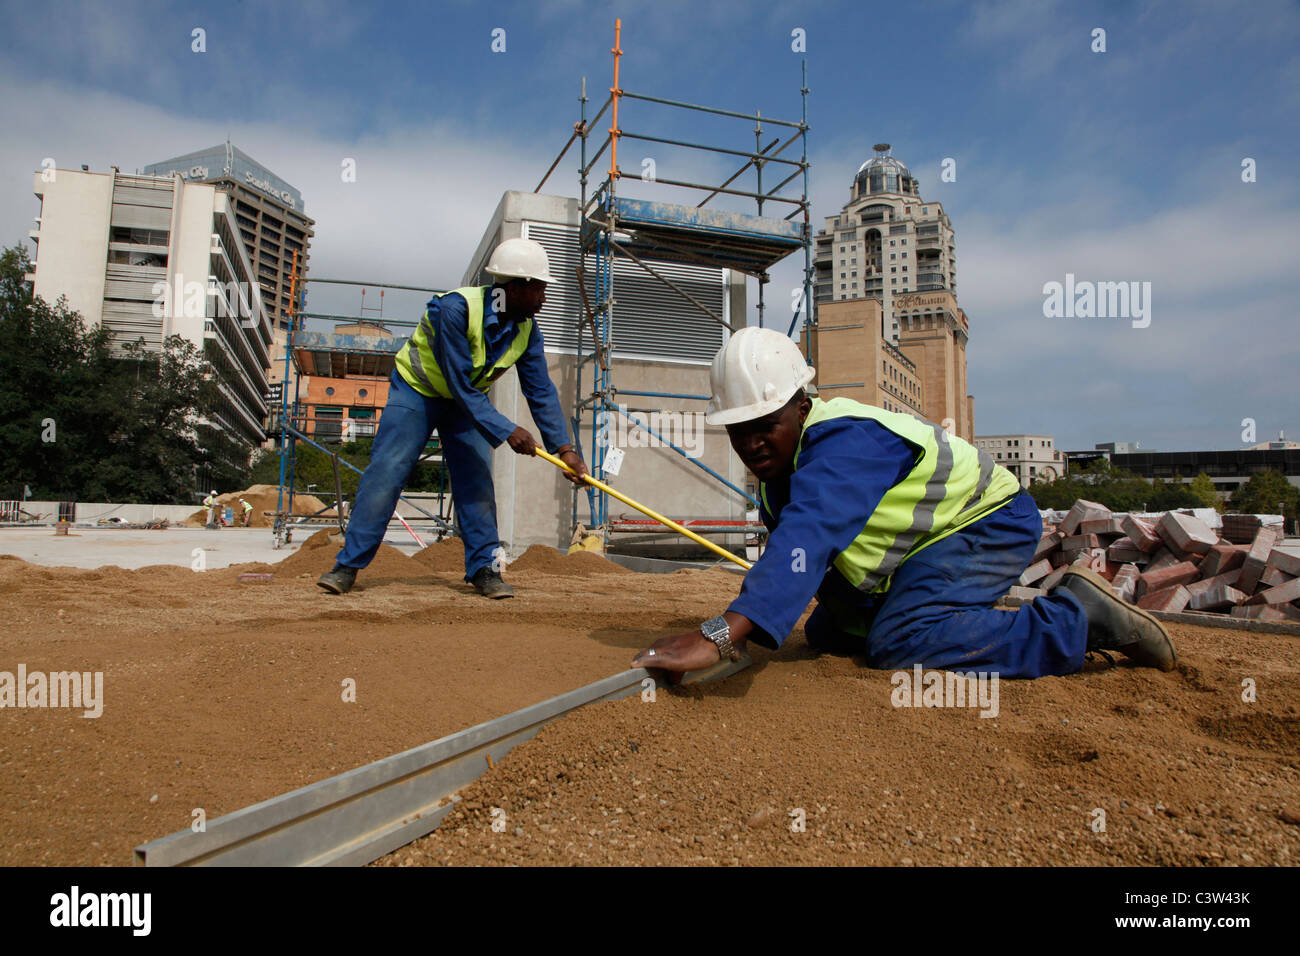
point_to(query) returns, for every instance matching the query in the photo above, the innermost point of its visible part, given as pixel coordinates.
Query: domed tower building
(888, 330)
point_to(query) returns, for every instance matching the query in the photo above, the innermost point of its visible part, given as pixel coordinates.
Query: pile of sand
(317, 553)
(263, 498)
(446, 555)
(550, 561)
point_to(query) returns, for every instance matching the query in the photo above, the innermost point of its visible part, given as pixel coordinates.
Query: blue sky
(1122, 165)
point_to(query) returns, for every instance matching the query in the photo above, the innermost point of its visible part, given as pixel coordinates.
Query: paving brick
(1219, 596)
(1280, 595)
(1186, 534)
(1163, 558)
(1124, 583)
(1206, 584)
(1053, 579)
(1142, 533)
(1223, 557)
(1083, 510)
(1047, 544)
(1077, 541)
(1284, 562)
(1240, 529)
(1095, 526)
(1125, 551)
(1184, 572)
(1257, 558)
(1025, 594)
(1273, 578)
(1166, 599)
(1035, 572)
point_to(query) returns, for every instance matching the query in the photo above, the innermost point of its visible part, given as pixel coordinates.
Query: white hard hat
(754, 374)
(214, 493)
(519, 259)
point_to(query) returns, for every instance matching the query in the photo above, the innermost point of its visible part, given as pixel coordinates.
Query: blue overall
(938, 610)
(468, 426)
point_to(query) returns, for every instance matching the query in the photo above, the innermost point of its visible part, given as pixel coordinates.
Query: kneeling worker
(467, 339)
(906, 535)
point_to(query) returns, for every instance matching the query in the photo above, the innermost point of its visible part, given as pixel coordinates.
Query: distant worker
(248, 512)
(210, 502)
(467, 339)
(905, 534)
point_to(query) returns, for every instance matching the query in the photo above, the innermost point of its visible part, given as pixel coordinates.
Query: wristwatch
(718, 631)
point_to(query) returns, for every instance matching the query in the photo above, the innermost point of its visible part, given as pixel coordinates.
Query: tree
(1115, 488)
(1202, 487)
(1267, 493)
(80, 420)
(53, 416)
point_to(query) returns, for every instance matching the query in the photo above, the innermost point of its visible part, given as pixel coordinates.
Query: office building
(1029, 457)
(149, 257)
(269, 213)
(889, 330)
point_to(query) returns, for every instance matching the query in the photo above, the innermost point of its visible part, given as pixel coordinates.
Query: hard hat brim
(545, 277)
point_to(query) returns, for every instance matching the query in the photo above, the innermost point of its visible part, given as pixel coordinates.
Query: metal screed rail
(359, 816)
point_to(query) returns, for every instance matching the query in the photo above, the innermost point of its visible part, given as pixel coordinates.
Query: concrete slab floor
(96, 547)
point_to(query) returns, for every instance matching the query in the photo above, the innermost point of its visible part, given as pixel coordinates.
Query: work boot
(489, 584)
(338, 581)
(1116, 625)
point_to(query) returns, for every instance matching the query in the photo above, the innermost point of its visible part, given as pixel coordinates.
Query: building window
(891, 242)
(329, 390)
(362, 392)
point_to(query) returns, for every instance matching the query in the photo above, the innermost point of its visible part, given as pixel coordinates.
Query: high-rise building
(889, 331)
(148, 257)
(1029, 457)
(269, 212)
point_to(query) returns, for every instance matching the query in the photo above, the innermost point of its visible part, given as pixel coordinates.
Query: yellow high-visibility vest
(951, 485)
(419, 369)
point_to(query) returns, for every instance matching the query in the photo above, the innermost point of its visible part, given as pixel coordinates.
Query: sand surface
(219, 694)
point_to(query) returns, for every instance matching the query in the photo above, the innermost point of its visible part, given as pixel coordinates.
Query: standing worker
(210, 502)
(248, 512)
(906, 536)
(467, 339)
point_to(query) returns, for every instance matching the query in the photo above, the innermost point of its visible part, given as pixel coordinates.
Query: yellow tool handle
(722, 552)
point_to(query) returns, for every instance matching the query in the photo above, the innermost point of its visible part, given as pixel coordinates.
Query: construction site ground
(220, 693)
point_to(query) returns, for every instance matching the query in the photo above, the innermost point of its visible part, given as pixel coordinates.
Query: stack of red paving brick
(1172, 562)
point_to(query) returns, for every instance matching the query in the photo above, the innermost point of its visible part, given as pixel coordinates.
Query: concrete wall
(94, 510)
(72, 240)
(534, 501)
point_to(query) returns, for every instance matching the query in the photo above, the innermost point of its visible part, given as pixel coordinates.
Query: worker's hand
(690, 651)
(522, 442)
(574, 461)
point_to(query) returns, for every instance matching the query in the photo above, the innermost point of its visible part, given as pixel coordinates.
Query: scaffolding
(641, 231)
(333, 356)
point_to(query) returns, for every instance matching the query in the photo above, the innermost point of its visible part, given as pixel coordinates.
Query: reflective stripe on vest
(419, 369)
(951, 484)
